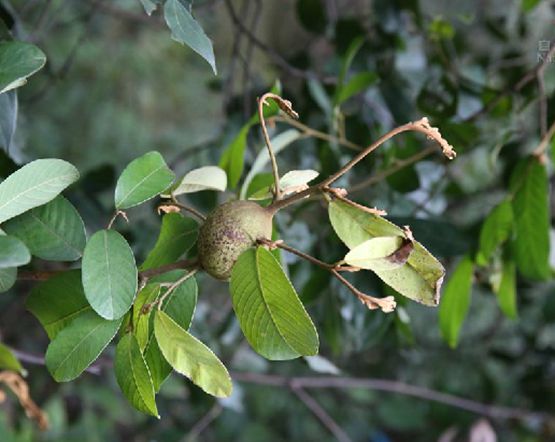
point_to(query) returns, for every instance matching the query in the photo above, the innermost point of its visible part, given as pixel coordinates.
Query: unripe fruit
(228, 231)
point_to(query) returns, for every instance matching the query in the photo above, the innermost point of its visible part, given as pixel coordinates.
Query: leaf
(375, 254)
(13, 252)
(57, 301)
(356, 84)
(203, 178)
(149, 6)
(7, 279)
(233, 158)
(456, 301)
(18, 60)
(294, 180)
(53, 232)
(350, 54)
(495, 231)
(142, 179)
(133, 376)
(8, 118)
(530, 187)
(78, 345)
(419, 279)
(33, 185)
(190, 357)
(185, 29)
(279, 142)
(177, 236)
(141, 320)
(109, 274)
(8, 361)
(270, 313)
(506, 292)
(180, 306)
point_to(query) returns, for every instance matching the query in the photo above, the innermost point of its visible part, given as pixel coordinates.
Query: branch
(321, 414)
(331, 382)
(540, 150)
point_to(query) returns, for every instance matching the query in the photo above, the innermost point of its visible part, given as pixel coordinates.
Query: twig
(387, 304)
(321, 414)
(285, 106)
(20, 388)
(188, 208)
(422, 126)
(332, 382)
(170, 289)
(203, 423)
(540, 150)
(114, 217)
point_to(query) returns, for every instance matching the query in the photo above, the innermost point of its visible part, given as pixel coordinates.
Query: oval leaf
(33, 185)
(190, 357)
(272, 317)
(296, 180)
(143, 179)
(456, 301)
(53, 232)
(185, 29)
(133, 376)
(495, 231)
(13, 253)
(8, 361)
(109, 274)
(78, 345)
(419, 279)
(203, 178)
(57, 301)
(506, 292)
(18, 60)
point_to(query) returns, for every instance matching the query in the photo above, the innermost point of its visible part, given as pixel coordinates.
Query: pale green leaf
(143, 179)
(133, 375)
(13, 252)
(272, 317)
(7, 278)
(78, 345)
(8, 118)
(177, 236)
(296, 180)
(506, 292)
(372, 254)
(140, 319)
(419, 279)
(53, 232)
(8, 361)
(109, 274)
(496, 229)
(18, 60)
(530, 187)
(33, 185)
(185, 29)
(57, 301)
(203, 178)
(190, 357)
(149, 6)
(456, 301)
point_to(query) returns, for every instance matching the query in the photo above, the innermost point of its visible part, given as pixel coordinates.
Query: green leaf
(7, 279)
(8, 118)
(530, 187)
(78, 345)
(495, 231)
(109, 274)
(57, 301)
(419, 279)
(190, 357)
(180, 306)
(53, 232)
(233, 158)
(177, 236)
(270, 313)
(133, 375)
(13, 252)
(185, 29)
(8, 361)
(373, 254)
(33, 185)
(348, 59)
(203, 178)
(141, 320)
(456, 301)
(18, 60)
(356, 84)
(506, 292)
(149, 6)
(143, 179)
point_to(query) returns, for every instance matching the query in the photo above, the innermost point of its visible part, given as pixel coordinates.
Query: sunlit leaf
(8, 361)
(203, 178)
(270, 313)
(190, 357)
(456, 301)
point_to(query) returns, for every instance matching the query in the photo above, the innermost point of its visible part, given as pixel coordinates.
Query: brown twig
(20, 388)
(115, 216)
(321, 414)
(542, 147)
(188, 208)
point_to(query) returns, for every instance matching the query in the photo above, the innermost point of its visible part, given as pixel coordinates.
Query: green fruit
(228, 231)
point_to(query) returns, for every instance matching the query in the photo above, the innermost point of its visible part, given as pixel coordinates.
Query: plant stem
(188, 208)
(171, 288)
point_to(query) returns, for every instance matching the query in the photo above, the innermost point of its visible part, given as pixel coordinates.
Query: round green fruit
(228, 231)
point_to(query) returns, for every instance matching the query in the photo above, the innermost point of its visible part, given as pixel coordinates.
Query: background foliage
(116, 86)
